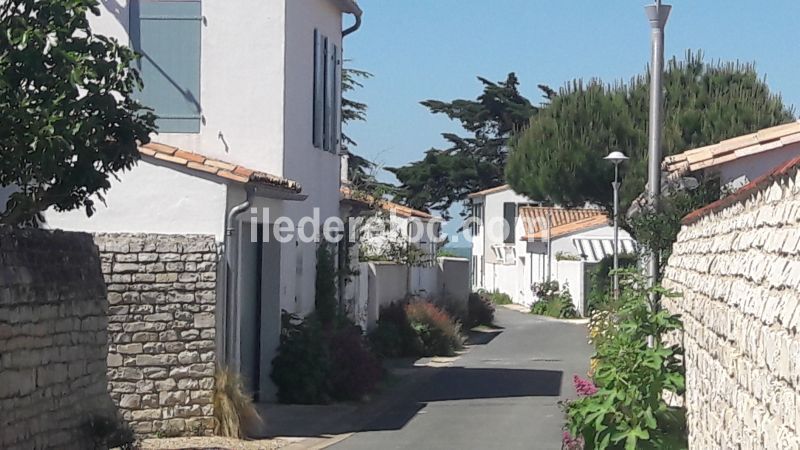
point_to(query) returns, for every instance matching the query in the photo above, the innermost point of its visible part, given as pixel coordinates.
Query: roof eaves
(784, 169)
(493, 190)
(226, 172)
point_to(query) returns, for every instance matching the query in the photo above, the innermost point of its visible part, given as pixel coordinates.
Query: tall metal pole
(615, 185)
(657, 14)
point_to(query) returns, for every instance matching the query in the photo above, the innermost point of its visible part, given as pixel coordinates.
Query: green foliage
(68, 117)
(481, 310)
(472, 163)
(628, 411)
(553, 301)
(301, 369)
(439, 333)
(497, 297)
(327, 306)
(393, 336)
(560, 156)
(657, 231)
(601, 281)
(318, 363)
(416, 328)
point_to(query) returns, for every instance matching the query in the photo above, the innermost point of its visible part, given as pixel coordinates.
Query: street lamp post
(616, 158)
(657, 15)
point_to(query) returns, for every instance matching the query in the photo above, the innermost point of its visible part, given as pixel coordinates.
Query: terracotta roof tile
(194, 157)
(366, 199)
(731, 149)
(224, 170)
(576, 227)
(489, 191)
(172, 159)
(202, 167)
(243, 171)
(161, 148)
(232, 176)
(219, 164)
(562, 220)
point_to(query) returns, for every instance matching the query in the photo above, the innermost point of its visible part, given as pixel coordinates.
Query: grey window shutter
(337, 101)
(168, 36)
(326, 95)
(510, 216)
(319, 94)
(330, 97)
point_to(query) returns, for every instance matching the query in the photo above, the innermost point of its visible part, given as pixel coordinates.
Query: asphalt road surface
(502, 394)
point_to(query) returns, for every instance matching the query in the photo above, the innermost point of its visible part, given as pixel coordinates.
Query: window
(167, 35)
(326, 125)
(510, 222)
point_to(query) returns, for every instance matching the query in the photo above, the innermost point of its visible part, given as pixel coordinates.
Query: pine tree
(559, 157)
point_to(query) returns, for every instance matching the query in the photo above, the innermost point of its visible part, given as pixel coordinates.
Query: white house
(518, 243)
(247, 95)
(740, 160)
(386, 225)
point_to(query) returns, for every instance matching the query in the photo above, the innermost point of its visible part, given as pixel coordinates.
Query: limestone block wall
(739, 272)
(161, 357)
(52, 340)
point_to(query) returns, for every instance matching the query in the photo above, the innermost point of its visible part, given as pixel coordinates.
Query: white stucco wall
(152, 199)
(242, 79)
(752, 167)
(516, 280)
(316, 170)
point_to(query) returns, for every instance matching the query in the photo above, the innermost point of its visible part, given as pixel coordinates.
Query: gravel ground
(211, 443)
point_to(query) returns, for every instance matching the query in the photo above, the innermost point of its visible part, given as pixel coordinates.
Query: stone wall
(52, 340)
(738, 268)
(161, 358)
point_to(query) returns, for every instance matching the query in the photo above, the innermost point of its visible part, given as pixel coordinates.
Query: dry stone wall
(161, 358)
(53, 340)
(739, 272)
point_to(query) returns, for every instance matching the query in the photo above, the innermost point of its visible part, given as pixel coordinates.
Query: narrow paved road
(500, 395)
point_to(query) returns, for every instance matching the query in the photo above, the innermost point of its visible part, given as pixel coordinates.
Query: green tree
(68, 117)
(361, 171)
(560, 156)
(444, 177)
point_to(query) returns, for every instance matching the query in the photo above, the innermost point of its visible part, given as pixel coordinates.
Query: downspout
(357, 14)
(232, 286)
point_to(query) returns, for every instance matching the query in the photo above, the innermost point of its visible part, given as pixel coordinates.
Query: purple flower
(570, 443)
(584, 387)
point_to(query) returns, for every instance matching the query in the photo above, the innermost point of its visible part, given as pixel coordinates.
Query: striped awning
(593, 250)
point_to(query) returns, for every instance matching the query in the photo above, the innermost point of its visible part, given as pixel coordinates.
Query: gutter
(231, 323)
(356, 11)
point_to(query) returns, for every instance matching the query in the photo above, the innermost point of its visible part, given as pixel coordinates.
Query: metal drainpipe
(231, 304)
(355, 26)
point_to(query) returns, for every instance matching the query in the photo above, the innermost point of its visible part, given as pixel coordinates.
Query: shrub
(414, 329)
(625, 407)
(456, 308)
(301, 369)
(481, 310)
(317, 364)
(498, 298)
(233, 407)
(355, 370)
(439, 333)
(600, 278)
(553, 301)
(110, 432)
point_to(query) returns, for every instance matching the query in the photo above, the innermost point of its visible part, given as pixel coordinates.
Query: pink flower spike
(584, 387)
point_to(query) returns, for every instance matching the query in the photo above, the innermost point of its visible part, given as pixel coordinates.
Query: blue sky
(421, 49)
